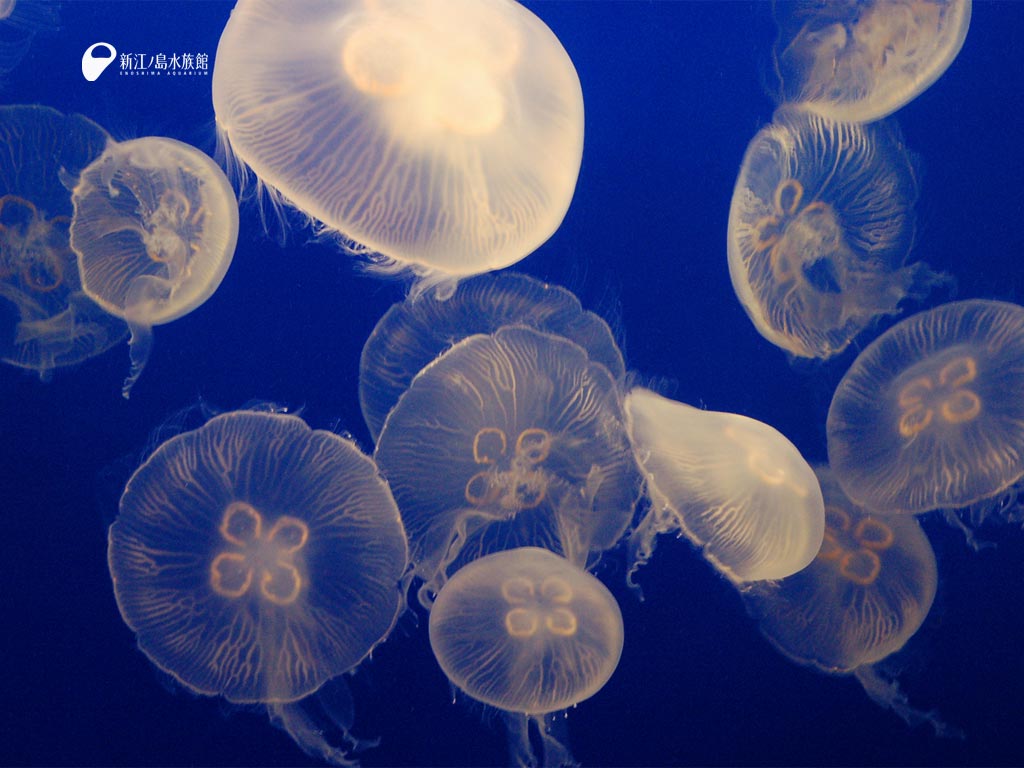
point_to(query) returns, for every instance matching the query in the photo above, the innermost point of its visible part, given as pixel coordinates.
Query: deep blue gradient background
(674, 92)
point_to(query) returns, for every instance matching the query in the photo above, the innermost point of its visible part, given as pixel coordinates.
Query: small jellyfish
(154, 228)
(256, 559)
(414, 332)
(736, 488)
(527, 632)
(508, 440)
(820, 228)
(860, 61)
(46, 321)
(20, 22)
(866, 593)
(930, 415)
(444, 136)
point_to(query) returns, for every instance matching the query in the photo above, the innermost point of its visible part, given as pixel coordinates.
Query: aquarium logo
(165, 64)
(97, 57)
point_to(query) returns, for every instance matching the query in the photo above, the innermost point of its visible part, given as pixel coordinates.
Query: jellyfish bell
(414, 332)
(929, 415)
(154, 228)
(735, 487)
(861, 61)
(820, 229)
(510, 439)
(550, 632)
(20, 22)
(256, 559)
(445, 136)
(866, 593)
(46, 321)
(529, 633)
(882, 565)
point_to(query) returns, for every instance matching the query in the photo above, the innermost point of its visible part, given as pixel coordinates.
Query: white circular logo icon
(96, 58)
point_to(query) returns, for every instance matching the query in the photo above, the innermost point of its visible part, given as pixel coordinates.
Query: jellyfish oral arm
(139, 347)
(145, 293)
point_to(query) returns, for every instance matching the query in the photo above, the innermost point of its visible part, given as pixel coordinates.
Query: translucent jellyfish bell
(508, 440)
(820, 228)
(930, 415)
(256, 559)
(527, 632)
(46, 321)
(866, 593)
(738, 489)
(445, 136)
(860, 61)
(414, 332)
(155, 228)
(20, 22)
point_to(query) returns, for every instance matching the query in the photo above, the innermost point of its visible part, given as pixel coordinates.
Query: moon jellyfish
(866, 593)
(820, 227)
(20, 22)
(860, 61)
(256, 559)
(508, 440)
(527, 632)
(155, 227)
(445, 136)
(414, 332)
(736, 488)
(46, 321)
(930, 415)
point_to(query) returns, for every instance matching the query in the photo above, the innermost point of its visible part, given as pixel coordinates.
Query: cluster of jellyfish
(820, 249)
(100, 239)
(258, 559)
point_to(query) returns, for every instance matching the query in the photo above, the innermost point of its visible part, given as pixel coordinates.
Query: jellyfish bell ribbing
(929, 415)
(455, 153)
(526, 631)
(256, 559)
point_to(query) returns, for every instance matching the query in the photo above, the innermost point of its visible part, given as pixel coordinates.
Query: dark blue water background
(674, 92)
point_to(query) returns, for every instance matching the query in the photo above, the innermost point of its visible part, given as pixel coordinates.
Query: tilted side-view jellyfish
(820, 228)
(154, 228)
(866, 593)
(735, 487)
(446, 137)
(860, 61)
(508, 440)
(528, 633)
(256, 559)
(46, 321)
(930, 415)
(414, 332)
